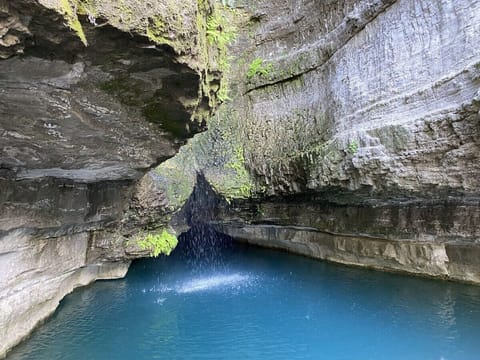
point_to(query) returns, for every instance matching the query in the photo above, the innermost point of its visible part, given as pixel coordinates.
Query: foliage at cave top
(220, 33)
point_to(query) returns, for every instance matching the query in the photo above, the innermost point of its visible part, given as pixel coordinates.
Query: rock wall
(430, 239)
(384, 99)
(353, 132)
(37, 273)
(80, 126)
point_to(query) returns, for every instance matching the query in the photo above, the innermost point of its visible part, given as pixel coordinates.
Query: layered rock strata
(422, 238)
(356, 131)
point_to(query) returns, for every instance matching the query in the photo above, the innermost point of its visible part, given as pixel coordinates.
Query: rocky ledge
(422, 238)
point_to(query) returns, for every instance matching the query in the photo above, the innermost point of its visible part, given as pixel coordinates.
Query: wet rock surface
(425, 238)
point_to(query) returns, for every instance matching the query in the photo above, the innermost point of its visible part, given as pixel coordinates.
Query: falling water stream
(214, 299)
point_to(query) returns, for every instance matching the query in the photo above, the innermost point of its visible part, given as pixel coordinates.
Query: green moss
(69, 11)
(177, 181)
(219, 31)
(160, 243)
(202, 9)
(235, 180)
(156, 31)
(220, 34)
(353, 147)
(86, 7)
(259, 68)
(221, 156)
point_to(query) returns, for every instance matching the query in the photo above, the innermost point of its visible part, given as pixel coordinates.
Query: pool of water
(239, 302)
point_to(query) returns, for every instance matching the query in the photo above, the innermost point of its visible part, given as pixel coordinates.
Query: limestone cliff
(353, 127)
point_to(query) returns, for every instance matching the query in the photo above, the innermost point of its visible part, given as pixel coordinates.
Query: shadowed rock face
(79, 128)
(424, 237)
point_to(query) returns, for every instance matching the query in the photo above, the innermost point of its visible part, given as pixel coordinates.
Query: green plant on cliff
(258, 67)
(237, 163)
(353, 147)
(160, 243)
(156, 31)
(220, 33)
(224, 66)
(87, 8)
(69, 11)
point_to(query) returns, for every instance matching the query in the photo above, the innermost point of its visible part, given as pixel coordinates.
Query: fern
(258, 68)
(162, 243)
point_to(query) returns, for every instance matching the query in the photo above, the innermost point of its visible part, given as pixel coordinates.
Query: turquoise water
(226, 301)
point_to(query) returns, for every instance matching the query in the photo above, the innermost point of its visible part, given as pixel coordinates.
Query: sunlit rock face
(79, 128)
(377, 98)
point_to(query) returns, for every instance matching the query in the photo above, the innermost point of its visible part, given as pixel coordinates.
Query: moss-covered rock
(161, 242)
(218, 154)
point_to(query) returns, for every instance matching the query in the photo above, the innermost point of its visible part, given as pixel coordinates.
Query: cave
(239, 179)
